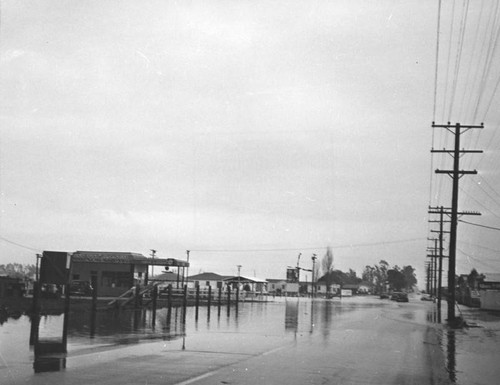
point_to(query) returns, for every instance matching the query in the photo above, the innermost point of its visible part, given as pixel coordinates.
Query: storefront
(112, 273)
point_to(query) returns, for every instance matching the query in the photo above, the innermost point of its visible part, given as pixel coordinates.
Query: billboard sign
(292, 275)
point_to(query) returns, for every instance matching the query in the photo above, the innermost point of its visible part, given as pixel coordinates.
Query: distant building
(489, 292)
(247, 284)
(205, 280)
(11, 287)
(277, 286)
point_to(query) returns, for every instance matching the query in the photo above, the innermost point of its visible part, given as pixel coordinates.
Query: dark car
(399, 297)
(80, 288)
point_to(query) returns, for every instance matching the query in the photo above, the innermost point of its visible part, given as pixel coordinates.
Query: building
(206, 280)
(11, 287)
(256, 285)
(277, 286)
(489, 292)
(110, 273)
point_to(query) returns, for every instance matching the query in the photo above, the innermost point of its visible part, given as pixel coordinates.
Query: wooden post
(209, 303)
(184, 296)
(93, 311)
(197, 301)
(169, 304)
(35, 313)
(66, 316)
(219, 302)
(237, 296)
(94, 299)
(137, 296)
(184, 305)
(228, 299)
(155, 298)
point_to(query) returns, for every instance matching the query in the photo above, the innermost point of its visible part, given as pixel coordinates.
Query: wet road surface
(297, 341)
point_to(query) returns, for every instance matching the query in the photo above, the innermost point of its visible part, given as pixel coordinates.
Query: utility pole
(441, 231)
(428, 277)
(313, 286)
(455, 174)
(153, 253)
(431, 255)
(187, 268)
(434, 256)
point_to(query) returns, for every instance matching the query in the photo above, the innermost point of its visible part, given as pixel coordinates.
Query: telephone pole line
(457, 130)
(441, 231)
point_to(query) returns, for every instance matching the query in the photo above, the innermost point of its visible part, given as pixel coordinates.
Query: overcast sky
(245, 131)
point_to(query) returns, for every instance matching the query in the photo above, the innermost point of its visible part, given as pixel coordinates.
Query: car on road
(399, 297)
(83, 288)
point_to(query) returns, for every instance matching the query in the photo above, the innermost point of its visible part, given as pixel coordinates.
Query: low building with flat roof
(110, 272)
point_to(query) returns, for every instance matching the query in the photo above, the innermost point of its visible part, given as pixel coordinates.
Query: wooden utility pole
(455, 174)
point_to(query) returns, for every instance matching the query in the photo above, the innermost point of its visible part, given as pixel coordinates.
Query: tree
(409, 276)
(368, 275)
(380, 273)
(327, 268)
(396, 279)
(17, 270)
(327, 261)
(474, 278)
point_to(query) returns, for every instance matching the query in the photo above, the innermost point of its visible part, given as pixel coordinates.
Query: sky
(246, 132)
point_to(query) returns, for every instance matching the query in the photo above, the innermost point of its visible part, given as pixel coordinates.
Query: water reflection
(434, 315)
(127, 326)
(292, 315)
(451, 356)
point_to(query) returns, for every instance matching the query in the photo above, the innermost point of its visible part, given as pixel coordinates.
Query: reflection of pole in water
(93, 315)
(292, 316)
(451, 364)
(35, 313)
(312, 316)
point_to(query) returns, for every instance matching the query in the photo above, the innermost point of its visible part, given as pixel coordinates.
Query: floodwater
(109, 330)
(470, 356)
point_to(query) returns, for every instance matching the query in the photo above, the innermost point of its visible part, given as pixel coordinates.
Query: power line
(478, 225)
(19, 245)
(382, 243)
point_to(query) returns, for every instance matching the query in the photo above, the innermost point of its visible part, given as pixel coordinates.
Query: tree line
(381, 277)
(17, 270)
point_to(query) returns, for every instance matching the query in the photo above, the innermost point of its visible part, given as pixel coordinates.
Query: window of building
(116, 279)
(76, 277)
(207, 283)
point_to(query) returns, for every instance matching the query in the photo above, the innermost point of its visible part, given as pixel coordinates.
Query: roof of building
(167, 276)
(491, 277)
(120, 257)
(276, 280)
(240, 278)
(207, 277)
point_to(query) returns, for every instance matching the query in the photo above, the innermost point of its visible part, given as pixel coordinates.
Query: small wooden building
(113, 273)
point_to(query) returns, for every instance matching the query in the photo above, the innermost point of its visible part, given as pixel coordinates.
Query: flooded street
(361, 340)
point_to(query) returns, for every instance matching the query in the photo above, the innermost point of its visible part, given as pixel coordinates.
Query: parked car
(399, 297)
(426, 297)
(83, 288)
